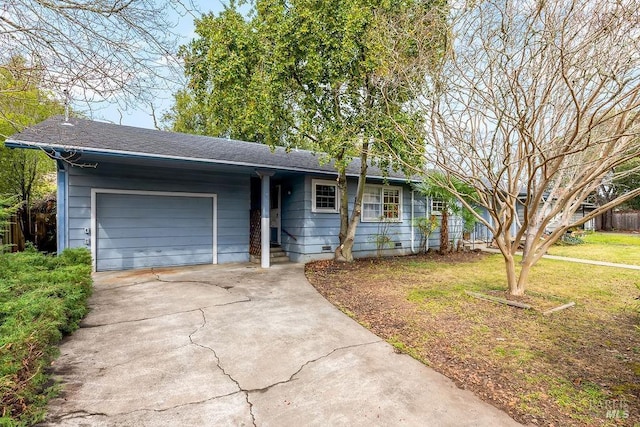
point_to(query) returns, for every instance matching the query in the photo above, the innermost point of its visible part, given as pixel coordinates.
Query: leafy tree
(225, 83)
(536, 105)
(23, 173)
(436, 186)
(331, 76)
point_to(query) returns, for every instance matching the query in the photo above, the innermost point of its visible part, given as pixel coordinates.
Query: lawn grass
(41, 299)
(563, 369)
(611, 247)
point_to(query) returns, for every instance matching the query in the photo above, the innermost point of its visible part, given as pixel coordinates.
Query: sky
(140, 116)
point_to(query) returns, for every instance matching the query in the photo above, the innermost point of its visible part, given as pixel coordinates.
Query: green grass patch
(42, 298)
(610, 247)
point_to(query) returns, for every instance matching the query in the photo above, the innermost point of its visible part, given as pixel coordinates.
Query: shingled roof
(100, 138)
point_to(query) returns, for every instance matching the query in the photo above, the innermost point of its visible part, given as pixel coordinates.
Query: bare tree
(537, 104)
(121, 50)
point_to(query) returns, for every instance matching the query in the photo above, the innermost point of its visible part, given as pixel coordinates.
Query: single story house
(142, 198)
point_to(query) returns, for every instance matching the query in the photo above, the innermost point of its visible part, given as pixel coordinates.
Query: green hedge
(42, 298)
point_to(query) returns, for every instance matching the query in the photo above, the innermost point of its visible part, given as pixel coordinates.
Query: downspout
(427, 211)
(413, 251)
(62, 205)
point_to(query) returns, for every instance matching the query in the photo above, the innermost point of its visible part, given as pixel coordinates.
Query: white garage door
(144, 229)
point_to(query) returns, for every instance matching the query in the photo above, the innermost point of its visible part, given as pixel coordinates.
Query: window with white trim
(325, 197)
(437, 206)
(381, 203)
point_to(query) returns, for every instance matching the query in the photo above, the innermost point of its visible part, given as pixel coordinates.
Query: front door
(275, 222)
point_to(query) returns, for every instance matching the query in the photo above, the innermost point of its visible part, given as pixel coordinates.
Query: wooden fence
(41, 227)
(628, 221)
(12, 236)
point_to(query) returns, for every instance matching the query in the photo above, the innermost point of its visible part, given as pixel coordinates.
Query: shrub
(41, 299)
(571, 238)
(425, 226)
(6, 209)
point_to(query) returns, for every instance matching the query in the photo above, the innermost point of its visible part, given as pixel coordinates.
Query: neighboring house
(146, 198)
(585, 208)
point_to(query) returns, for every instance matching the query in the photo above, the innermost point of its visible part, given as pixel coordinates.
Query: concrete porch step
(276, 255)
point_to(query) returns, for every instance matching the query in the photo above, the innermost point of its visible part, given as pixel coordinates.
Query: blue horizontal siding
(314, 231)
(311, 231)
(232, 192)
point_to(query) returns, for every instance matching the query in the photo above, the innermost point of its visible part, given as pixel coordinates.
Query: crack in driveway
(308, 362)
(202, 282)
(128, 285)
(265, 389)
(76, 414)
(98, 325)
(85, 414)
(246, 393)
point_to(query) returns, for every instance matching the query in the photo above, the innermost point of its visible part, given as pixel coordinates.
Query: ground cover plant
(42, 298)
(579, 366)
(621, 248)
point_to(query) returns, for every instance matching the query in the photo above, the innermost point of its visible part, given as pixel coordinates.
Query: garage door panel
(137, 231)
(153, 242)
(175, 251)
(140, 261)
(134, 212)
(177, 223)
(169, 202)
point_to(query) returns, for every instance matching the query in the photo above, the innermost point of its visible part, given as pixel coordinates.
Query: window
(325, 196)
(371, 206)
(381, 203)
(437, 206)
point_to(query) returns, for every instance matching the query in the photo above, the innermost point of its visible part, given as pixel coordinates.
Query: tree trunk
(344, 206)
(344, 251)
(25, 224)
(529, 241)
(516, 286)
(344, 217)
(444, 231)
(346, 248)
(523, 278)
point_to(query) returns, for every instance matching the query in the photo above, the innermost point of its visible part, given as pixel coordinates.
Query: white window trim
(434, 211)
(380, 187)
(314, 209)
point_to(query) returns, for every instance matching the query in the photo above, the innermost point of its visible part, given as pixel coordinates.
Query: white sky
(140, 116)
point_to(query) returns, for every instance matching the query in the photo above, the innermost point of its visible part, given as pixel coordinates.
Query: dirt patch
(573, 368)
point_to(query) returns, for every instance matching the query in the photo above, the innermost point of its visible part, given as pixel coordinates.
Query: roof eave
(13, 143)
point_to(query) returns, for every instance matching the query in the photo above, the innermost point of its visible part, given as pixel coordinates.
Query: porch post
(265, 207)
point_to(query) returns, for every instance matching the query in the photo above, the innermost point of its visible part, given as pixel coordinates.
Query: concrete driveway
(238, 345)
